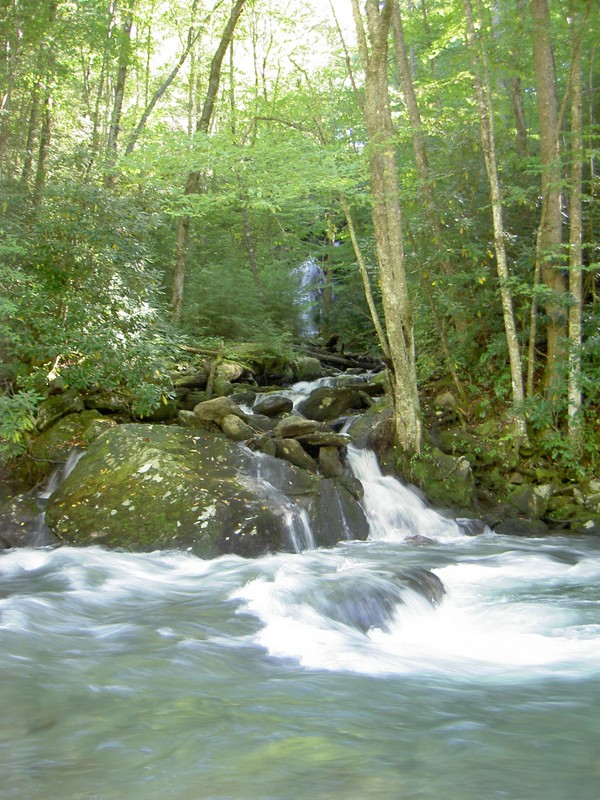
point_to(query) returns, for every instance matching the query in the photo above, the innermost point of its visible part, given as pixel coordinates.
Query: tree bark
(575, 240)
(420, 150)
(387, 221)
(550, 227)
(488, 143)
(117, 111)
(193, 178)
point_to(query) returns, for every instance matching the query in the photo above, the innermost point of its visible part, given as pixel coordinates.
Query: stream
(307, 675)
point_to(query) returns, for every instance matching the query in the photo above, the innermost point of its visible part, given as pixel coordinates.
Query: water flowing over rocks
(145, 487)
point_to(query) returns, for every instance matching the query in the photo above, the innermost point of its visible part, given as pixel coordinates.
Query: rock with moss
(446, 480)
(54, 408)
(145, 487)
(329, 402)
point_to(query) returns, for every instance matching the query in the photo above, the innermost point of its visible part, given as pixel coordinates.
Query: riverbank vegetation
(167, 168)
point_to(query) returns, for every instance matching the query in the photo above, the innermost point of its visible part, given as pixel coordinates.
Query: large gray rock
(217, 409)
(272, 405)
(145, 487)
(291, 450)
(53, 409)
(329, 402)
(292, 426)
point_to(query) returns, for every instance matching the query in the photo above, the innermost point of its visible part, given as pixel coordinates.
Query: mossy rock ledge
(146, 487)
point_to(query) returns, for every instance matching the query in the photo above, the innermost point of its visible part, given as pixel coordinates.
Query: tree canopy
(168, 166)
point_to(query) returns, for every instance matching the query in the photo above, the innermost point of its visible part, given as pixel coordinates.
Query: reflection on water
(164, 676)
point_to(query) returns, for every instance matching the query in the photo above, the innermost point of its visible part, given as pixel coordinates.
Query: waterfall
(266, 473)
(395, 511)
(42, 534)
(309, 296)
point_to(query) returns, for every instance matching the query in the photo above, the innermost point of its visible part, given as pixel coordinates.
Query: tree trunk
(34, 113)
(575, 239)
(420, 151)
(550, 228)
(387, 221)
(193, 178)
(488, 143)
(44, 148)
(115, 122)
(192, 38)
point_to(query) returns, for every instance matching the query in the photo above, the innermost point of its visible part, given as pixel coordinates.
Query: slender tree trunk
(34, 113)
(387, 220)
(44, 147)
(486, 119)
(193, 178)
(364, 274)
(575, 240)
(550, 229)
(421, 159)
(117, 111)
(192, 38)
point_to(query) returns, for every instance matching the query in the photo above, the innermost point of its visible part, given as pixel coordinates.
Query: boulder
(329, 402)
(330, 464)
(307, 368)
(530, 501)
(292, 426)
(446, 481)
(216, 409)
(272, 405)
(336, 515)
(291, 450)
(325, 439)
(21, 524)
(51, 410)
(145, 487)
(235, 428)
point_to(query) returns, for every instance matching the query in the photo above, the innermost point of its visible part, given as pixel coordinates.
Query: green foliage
(17, 418)
(88, 309)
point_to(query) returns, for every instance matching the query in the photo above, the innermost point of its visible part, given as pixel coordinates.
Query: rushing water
(319, 674)
(164, 676)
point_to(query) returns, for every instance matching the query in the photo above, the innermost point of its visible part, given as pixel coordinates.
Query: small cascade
(42, 534)
(395, 511)
(267, 472)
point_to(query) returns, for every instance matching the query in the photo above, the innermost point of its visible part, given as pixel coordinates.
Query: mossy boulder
(53, 409)
(446, 480)
(145, 487)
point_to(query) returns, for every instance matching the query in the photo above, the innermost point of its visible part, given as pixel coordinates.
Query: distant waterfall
(310, 296)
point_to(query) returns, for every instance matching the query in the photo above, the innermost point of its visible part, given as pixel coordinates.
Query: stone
(329, 462)
(108, 403)
(54, 408)
(264, 444)
(337, 515)
(229, 371)
(147, 487)
(291, 450)
(325, 439)
(21, 524)
(329, 402)
(471, 527)
(272, 405)
(530, 501)
(216, 409)
(446, 480)
(517, 526)
(192, 380)
(292, 426)
(307, 368)
(235, 428)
